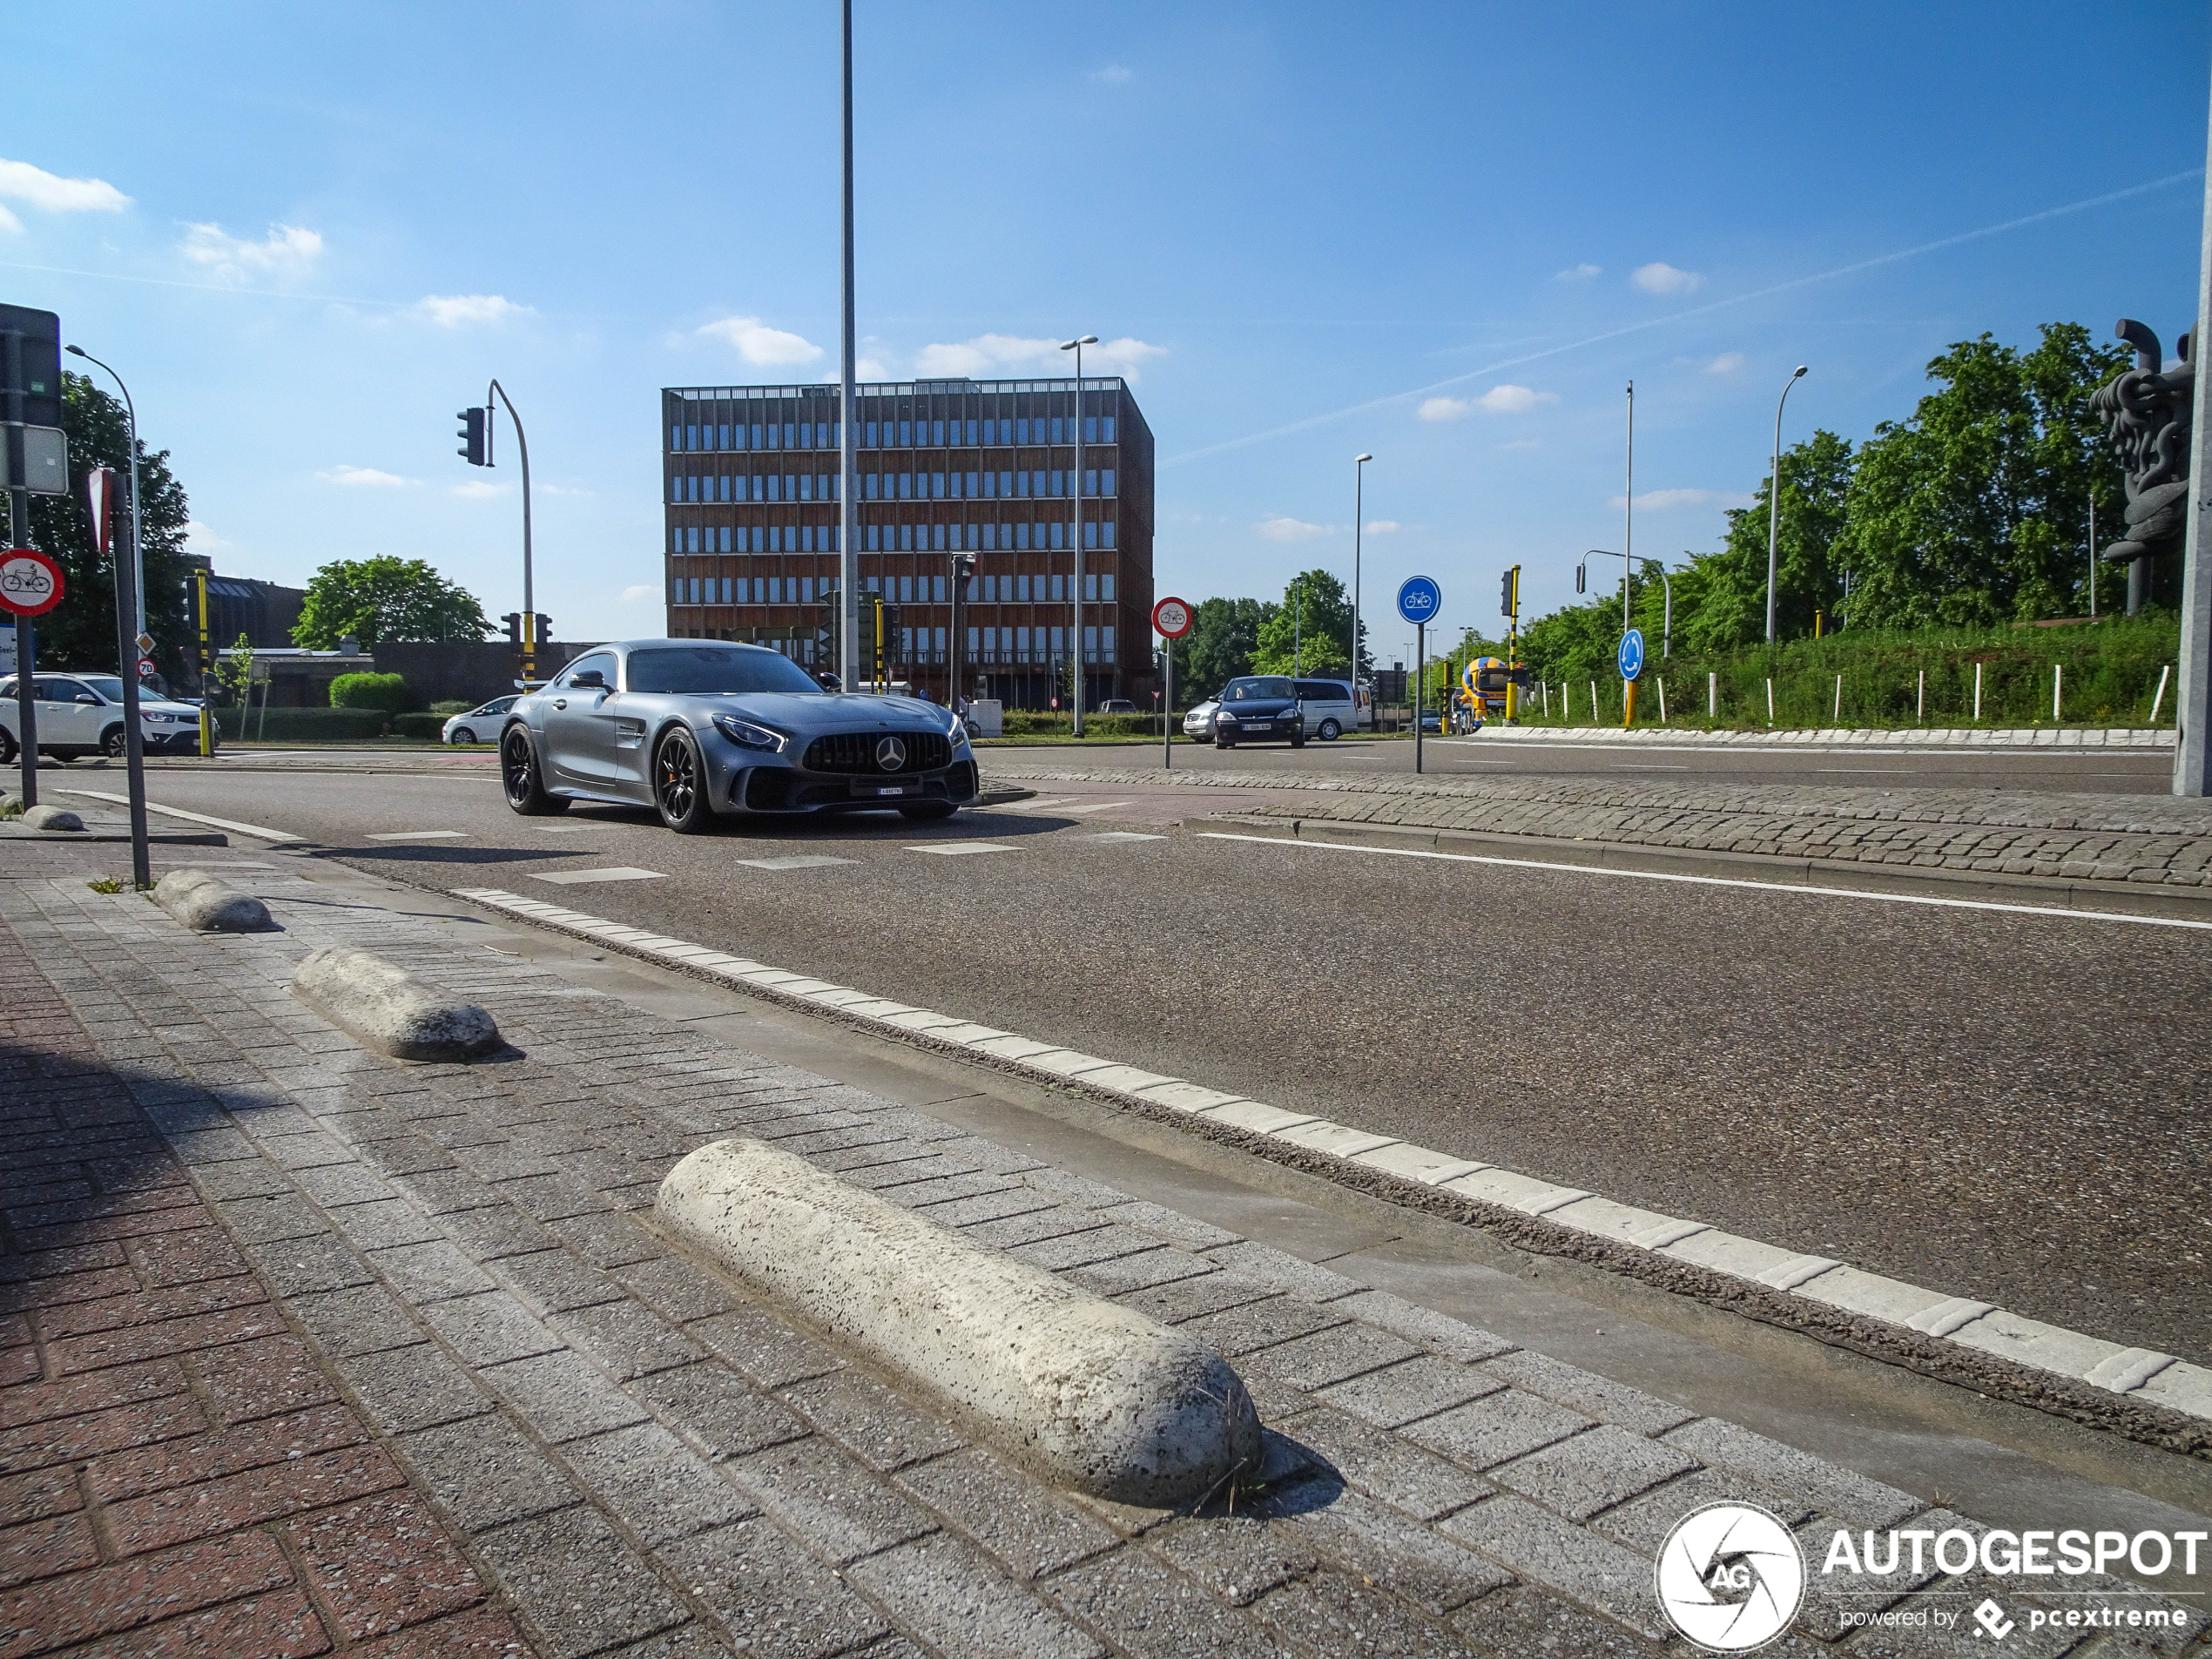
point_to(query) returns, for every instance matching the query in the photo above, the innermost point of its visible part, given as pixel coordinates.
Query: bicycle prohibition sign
(31, 582)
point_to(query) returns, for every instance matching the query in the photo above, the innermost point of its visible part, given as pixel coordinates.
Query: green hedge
(430, 725)
(302, 725)
(1033, 723)
(385, 692)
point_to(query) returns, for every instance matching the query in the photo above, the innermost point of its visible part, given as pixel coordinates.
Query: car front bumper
(764, 785)
(1270, 732)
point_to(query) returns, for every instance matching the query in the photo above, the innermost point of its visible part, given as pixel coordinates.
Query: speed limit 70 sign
(31, 583)
(1172, 619)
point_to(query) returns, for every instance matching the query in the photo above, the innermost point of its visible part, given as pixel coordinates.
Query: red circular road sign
(147, 668)
(1172, 619)
(31, 583)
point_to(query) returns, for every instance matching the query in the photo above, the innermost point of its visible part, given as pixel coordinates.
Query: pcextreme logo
(1730, 1577)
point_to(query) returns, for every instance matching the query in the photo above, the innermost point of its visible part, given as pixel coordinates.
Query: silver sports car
(695, 727)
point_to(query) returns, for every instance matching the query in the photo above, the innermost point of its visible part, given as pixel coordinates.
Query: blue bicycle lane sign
(1420, 599)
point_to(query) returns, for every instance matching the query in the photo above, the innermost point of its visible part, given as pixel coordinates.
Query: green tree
(1312, 628)
(1976, 510)
(1720, 600)
(80, 631)
(385, 598)
(235, 673)
(1224, 634)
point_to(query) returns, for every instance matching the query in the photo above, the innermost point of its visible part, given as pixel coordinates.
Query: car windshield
(1265, 687)
(708, 671)
(106, 684)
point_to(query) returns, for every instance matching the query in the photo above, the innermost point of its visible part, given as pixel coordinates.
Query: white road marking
(2163, 1380)
(417, 835)
(565, 829)
(1098, 806)
(1123, 835)
(619, 873)
(1887, 771)
(953, 849)
(796, 861)
(1721, 881)
(254, 830)
(1035, 805)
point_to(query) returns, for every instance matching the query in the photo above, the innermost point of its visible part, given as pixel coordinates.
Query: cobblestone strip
(649, 1462)
(2150, 840)
(178, 1473)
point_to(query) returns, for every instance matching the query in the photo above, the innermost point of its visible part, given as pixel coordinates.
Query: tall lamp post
(529, 601)
(1076, 644)
(848, 459)
(1358, 523)
(138, 548)
(1774, 502)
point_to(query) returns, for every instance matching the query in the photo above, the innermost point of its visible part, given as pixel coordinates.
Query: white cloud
(451, 310)
(1115, 75)
(285, 251)
(1659, 277)
(1280, 529)
(1513, 400)
(201, 539)
(477, 490)
(1660, 500)
(758, 343)
(363, 477)
(990, 353)
(20, 181)
(561, 489)
(1579, 272)
(639, 596)
(1383, 526)
(1446, 408)
(1727, 363)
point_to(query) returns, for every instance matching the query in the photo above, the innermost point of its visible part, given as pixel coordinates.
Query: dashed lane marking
(1123, 835)
(796, 861)
(619, 872)
(1721, 881)
(953, 849)
(417, 835)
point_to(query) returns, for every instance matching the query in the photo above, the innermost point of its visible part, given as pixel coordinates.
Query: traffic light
(1582, 574)
(474, 435)
(514, 621)
(544, 629)
(1509, 600)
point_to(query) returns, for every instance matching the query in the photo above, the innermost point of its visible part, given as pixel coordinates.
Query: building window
(1106, 481)
(1107, 531)
(1090, 428)
(675, 437)
(872, 534)
(676, 589)
(1021, 643)
(1090, 481)
(791, 435)
(937, 433)
(1057, 435)
(937, 590)
(805, 486)
(1021, 590)
(1059, 484)
(1059, 587)
(1107, 432)
(1106, 649)
(906, 435)
(1090, 532)
(1059, 641)
(867, 432)
(1090, 587)
(990, 431)
(726, 538)
(1090, 644)
(1106, 586)
(1058, 530)
(1021, 538)
(806, 589)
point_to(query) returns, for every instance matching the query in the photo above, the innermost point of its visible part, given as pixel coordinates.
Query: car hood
(1269, 707)
(835, 711)
(150, 704)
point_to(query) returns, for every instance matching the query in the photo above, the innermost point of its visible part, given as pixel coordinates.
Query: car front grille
(856, 752)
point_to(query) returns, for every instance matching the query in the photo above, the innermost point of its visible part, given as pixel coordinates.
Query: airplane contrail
(1706, 309)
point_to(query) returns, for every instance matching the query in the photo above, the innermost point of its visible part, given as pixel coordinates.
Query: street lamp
(1773, 501)
(137, 552)
(1358, 523)
(1077, 644)
(1667, 622)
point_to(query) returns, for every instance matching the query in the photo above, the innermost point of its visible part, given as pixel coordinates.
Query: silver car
(1199, 723)
(694, 728)
(475, 725)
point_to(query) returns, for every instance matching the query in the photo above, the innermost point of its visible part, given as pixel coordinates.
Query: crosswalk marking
(619, 872)
(416, 835)
(795, 861)
(952, 849)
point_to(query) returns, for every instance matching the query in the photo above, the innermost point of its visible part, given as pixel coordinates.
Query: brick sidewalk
(2141, 839)
(451, 1273)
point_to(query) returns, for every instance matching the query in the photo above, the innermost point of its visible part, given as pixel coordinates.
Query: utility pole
(529, 604)
(848, 510)
(1076, 644)
(2192, 707)
(1774, 502)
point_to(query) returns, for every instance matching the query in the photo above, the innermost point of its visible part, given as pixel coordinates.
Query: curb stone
(2154, 1398)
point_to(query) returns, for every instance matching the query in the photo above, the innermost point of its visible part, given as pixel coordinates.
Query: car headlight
(747, 735)
(150, 715)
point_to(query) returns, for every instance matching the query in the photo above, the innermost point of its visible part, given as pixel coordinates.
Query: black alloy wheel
(112, 743)
(680, 782)
(520, 776)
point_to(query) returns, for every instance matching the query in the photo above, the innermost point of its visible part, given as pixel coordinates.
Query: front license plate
(886, 789)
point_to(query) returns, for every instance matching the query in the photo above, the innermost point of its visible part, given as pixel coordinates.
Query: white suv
(82, 714)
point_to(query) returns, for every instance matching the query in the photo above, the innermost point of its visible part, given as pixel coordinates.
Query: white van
(1331, 708)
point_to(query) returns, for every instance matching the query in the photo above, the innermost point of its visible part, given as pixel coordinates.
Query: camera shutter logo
(891, 754)
(1730, 1577)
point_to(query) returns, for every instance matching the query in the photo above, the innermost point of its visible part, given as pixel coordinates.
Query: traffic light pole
(848, 509)
(19, 536)
(530, 600)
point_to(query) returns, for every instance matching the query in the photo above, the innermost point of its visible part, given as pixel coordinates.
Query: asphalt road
(2004, 1106)
(2103, 772)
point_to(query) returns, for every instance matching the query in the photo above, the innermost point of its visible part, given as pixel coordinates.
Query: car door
(64, 721)
(578, 750)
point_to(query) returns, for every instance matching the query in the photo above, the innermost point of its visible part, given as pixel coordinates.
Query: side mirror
(87, 698)
(592, 678)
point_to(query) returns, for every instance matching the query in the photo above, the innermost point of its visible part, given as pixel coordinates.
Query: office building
(945, 465)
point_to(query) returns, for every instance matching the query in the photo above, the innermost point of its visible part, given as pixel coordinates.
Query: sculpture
(2146, 411)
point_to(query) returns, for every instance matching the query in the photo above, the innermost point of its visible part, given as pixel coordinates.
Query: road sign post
(1419, 600)
(31, 585)
(1630, 660)
(1171, 620)
(99, 501)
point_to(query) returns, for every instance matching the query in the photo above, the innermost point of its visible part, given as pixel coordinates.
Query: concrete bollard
(385, 1008)
(209, 905)
(43, 817)
(1088, 1393)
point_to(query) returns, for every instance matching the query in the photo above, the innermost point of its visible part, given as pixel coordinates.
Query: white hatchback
(82, 714)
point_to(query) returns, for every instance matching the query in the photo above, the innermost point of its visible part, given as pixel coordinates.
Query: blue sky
(1448, 235)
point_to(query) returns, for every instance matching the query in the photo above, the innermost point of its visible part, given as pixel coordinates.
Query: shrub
(431, 726)
(301, 726)
(384, 692)
(451, 705)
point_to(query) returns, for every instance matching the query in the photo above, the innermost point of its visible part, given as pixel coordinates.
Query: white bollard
(1977, 693)
(1770, 702)
(1921, 711)
(2057, 686)
(1662, 702)
(1593, 702)
(1713, 696)
(1839, 699)
(2161, 698)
